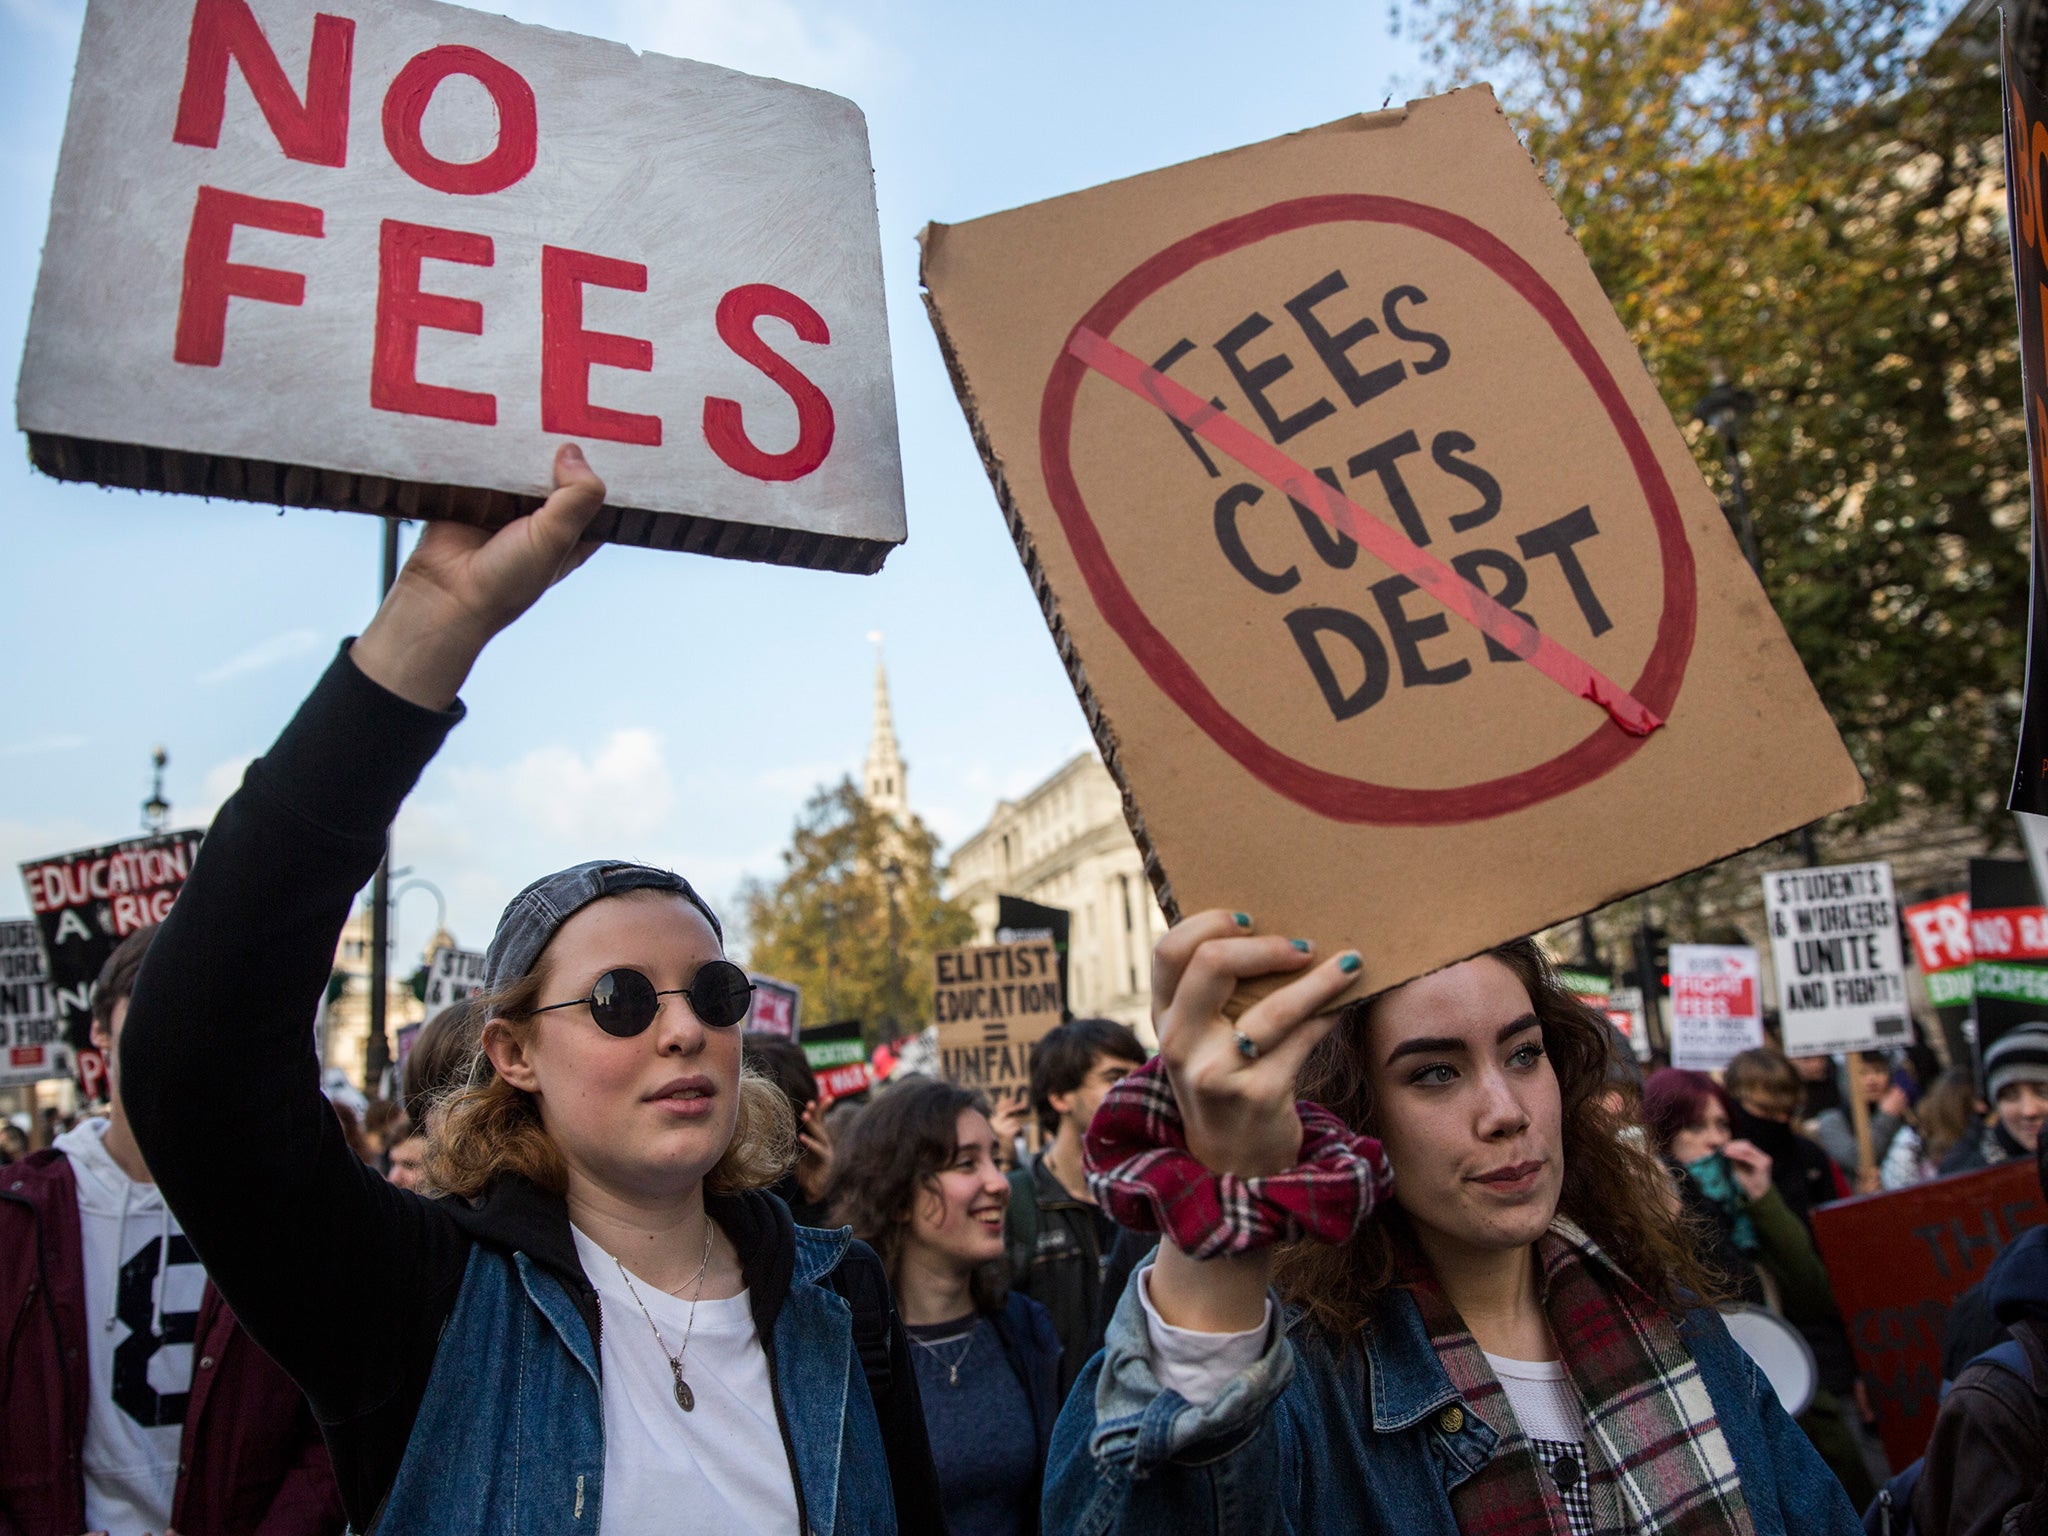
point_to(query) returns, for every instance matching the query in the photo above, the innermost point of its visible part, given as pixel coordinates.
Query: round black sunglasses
(624, 1002)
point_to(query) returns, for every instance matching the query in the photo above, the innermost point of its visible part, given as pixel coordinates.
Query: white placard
(1841, 968)
(1625, 1012)
(453, 975)
(420, 244)
(31, 1028)
(1716, 1009)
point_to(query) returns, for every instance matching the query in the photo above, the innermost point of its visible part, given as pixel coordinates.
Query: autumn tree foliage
(1809, 194)
(825, 923)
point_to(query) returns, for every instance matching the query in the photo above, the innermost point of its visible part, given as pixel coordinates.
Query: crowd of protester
(605, 1263)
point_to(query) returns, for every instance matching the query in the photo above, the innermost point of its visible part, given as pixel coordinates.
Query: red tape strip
(1394, 550)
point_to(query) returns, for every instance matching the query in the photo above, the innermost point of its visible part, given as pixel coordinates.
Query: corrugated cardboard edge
(134, 466)
(1027, 551)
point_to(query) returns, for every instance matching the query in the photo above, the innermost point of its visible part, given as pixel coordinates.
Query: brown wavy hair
(484, 1127)
(897, 1148)
(1615, 1190)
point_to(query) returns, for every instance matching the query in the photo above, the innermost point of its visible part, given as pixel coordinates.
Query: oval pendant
(685, 1398)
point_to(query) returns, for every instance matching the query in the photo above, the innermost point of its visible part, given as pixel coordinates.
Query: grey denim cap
(533, 916)
(2020, 1056)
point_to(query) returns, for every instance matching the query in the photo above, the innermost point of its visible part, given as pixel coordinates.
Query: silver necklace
(953, 1365)
(685, 1398)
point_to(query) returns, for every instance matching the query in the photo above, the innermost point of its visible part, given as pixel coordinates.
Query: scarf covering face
(1716, 1180)
(1657, 1462)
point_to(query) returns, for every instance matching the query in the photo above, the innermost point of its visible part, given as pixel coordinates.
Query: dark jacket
(347, 1280)
(1990, 1147)
(1804, 1173)
(1989, 1449)
(1033, 1349)
(1056, 1258)
(250, 1461)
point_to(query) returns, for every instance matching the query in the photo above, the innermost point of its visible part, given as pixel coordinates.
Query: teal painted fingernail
(1349, 964)
(1242, 919)
(1300, 944)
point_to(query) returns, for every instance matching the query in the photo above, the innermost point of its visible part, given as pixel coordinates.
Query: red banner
(1897, 1262)
(1940, 930)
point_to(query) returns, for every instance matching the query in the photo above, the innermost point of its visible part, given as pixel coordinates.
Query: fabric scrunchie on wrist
(1142, 1174)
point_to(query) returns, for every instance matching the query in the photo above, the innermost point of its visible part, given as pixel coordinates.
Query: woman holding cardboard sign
(605, 1326)
(1485, 1317)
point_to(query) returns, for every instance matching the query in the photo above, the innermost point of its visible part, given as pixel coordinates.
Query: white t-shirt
(722, 1463)
(143, 1285)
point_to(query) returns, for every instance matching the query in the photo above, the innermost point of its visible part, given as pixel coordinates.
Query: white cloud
(220, 781)
(620, 795)
(42, 745)
(278, 649)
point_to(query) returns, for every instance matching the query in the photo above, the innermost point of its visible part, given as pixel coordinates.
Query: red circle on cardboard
(1330, 794)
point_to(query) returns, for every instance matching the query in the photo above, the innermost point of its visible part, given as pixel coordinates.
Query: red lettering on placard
(738, 312)
(568, 352)
(314, 129)
(211, 279)
(405, 104)
(402, 309)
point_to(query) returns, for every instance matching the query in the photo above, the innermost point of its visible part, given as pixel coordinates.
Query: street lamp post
(156, 811)
(1726, 410)
(377, 1049)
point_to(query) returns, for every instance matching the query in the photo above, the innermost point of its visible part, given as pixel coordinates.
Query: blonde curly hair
(484, 1127)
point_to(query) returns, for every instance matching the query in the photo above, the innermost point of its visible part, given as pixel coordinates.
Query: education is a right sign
(1391, 590)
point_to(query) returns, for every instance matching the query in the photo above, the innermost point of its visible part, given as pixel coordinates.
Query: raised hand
(1235, 1082)
(1751, 1166)
(462, 585)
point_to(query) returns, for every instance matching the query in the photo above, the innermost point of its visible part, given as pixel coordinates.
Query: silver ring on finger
(1247, 1047)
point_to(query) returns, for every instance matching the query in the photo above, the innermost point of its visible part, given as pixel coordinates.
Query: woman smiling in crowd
(605, 1325)
(919, 1180)
(1513, 1342)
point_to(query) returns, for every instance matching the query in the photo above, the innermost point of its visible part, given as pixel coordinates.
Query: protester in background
(440, 1060)
(134, 1401)
(1765, 1090)
(406, 1163)
(602, 1161)
(1946, 1112)
(1060, 1241)
(13, 1142)
(917, 1179)
(2016, 1082)
(802, 1189)
(1753, 1237)
(1988, 1452)
(1835, 1130)
(1511, 1343)
(379, 1120)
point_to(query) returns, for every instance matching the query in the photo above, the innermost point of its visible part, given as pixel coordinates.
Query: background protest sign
(1369, 543)
(837, 1059)
(1716, 1006)
(1940, 930)
(1835, 948)
(453, 975)
(992, 1003)
(2008, 949)
(1898, 1260)
(87, 902)
(776, 1007)
(1622, 1006)
(382, 255)
(2026, 207)
(32, 1045)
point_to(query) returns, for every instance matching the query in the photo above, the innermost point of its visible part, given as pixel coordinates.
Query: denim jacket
(509, 1439)
(1372, 1441)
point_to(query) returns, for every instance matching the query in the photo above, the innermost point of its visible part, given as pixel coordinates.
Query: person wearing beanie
(2016, 1083)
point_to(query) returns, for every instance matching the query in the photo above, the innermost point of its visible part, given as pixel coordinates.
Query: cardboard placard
(1898, 1260)
(452, 975)
(2026, 118)
(992, 1003)
(1835, 948)
(1940, 930)
(32, 1044)
(86, 903)
(776, 1007)
(2008, 949)
(382, 255)
(1716, 1004)
(1369, 543)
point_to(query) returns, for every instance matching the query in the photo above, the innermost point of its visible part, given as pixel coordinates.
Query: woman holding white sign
(1451, 1301)
(605, 1326)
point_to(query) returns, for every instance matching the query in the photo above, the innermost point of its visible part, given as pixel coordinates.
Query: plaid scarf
(1656, 1459)
(1139, 1167)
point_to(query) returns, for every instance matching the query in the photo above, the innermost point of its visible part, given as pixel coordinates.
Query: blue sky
(662, 707)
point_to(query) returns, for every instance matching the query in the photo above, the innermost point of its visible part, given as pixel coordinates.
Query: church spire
(886, 790)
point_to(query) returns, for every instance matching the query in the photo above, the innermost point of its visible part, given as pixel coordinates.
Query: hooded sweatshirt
(143, 1285)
